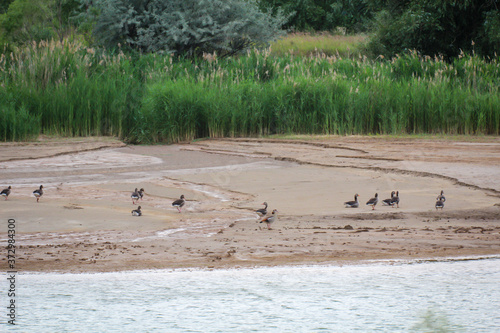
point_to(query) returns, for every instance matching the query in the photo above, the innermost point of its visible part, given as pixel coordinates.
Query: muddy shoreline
(83, 221)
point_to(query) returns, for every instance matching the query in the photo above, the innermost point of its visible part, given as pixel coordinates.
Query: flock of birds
(37, 193)
(268, 219)
(139, 194)
(136, 196)
(393, 200)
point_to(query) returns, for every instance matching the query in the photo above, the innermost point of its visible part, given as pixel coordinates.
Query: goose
(440, 204)
(262, 211)
(441, 197)
(395, 200)
(135, 196)
(141, 193)
(5, 192)
(373, 201)
(179, 203)
(137, 212)
(388, 202)
(38, 193)
(352, 204)
(270, 219)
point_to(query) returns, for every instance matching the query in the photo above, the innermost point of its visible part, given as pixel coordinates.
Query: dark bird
(388, 202)
(352, 204)
(137, 212)
(439, 204)
(262, 211)
(38, 193)
(441, 197)
(5, 192)
(141, 193)
(135, 196)
(270, 219)
(373, 201)
(440, 201)
(395, 200)
(179, 203)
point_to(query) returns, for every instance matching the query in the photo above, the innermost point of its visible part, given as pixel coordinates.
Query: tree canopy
(438, 27)
(194, 27)
(34, 20)
(187, 27)
(323, 15)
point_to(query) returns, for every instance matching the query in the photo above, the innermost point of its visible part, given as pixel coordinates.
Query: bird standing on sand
(179, 203)
(141, 193)
(135, 196)
(38, 193)
(5, 192)
(137, 212)
(440, 201)
(352, 204)
(441, 197)
(262, 211)
(373, 201)
(440, 204)
(395, 200)
(388, 202)
(270, 219)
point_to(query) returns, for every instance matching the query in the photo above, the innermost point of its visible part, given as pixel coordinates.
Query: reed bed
(70, 90)
(65, 89)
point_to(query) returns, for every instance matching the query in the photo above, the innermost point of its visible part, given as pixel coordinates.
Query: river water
(384, 296)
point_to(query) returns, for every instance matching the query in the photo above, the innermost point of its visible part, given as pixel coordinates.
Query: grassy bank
(70, 90)
(304, 44)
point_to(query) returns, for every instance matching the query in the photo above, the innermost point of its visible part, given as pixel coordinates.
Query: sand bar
(83, 222)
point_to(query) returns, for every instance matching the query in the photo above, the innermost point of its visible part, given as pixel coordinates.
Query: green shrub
(184, 27)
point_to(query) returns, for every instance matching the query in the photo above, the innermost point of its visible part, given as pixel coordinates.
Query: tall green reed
(72, 90)
(68, 89)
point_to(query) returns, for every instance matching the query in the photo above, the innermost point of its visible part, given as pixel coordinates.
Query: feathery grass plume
(69, 89)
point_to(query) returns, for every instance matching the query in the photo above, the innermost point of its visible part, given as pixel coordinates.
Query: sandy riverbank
(83, 221)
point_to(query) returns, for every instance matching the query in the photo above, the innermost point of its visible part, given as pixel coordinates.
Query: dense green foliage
(438, 27)
(432, 27)
(184, 27)
(4, 5)
(68, 89)
(25, 21)
(323, 15)
(194, 27)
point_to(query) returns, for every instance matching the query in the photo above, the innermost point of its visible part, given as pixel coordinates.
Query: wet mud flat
(83, 222)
